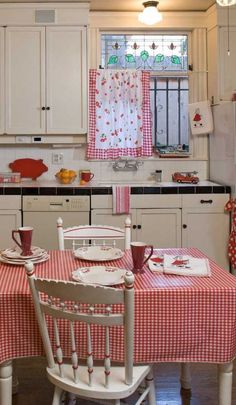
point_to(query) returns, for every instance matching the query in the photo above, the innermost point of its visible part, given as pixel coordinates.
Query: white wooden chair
(97, 234)
(92, 305)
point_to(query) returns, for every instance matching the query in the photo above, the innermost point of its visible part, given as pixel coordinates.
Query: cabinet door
(9, 220)
(159, 227)
(25, 80)
(105, 217)
(207, 231)
(66, 80)
(2, 77)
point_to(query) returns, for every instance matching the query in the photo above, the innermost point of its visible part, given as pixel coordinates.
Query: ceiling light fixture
(226, 3)
(150, 15)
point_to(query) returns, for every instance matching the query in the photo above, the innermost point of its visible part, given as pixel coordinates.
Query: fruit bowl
(65, 176)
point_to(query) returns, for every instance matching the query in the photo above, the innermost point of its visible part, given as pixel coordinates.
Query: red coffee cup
(86, 175)
(25, 233)
(138, 252)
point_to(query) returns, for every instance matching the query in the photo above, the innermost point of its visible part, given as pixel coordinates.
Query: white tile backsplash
(75, 158)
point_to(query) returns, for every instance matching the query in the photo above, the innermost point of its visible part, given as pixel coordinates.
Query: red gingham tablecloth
(177, 319)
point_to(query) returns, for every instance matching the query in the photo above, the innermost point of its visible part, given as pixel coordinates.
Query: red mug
(138, 252)
(86, 175)
(25, 233)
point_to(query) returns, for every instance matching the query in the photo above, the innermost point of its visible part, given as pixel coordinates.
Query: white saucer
(15, 253)
(103, 275)
(98, 253)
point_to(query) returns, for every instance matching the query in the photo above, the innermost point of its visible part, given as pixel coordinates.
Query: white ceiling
(131, 5)
(164, 5)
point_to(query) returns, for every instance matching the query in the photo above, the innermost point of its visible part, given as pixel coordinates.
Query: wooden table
(177, 319)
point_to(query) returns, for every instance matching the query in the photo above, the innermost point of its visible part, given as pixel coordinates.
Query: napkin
(180, 265)
(186, 266)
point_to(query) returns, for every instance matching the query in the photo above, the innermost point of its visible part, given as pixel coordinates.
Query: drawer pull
(134, 226)
(139, 227)
(184, 226)
(206, 201)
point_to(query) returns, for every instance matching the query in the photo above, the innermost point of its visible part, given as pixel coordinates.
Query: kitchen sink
(133, 183)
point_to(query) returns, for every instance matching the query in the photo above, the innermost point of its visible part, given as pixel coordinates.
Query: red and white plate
(101, 275)
(98, 253)
(13, 256)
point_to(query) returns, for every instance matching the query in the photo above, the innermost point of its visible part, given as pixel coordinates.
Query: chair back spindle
(95, 235)
(92, 305)
(75, 320)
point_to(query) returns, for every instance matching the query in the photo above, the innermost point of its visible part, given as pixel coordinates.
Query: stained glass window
(145, 51)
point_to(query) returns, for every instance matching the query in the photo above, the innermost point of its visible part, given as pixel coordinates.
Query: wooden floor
(34, 388)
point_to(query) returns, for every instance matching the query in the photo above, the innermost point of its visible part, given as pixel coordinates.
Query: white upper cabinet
(66, 83)
(25, 80)
(46, 80)
(2, 103)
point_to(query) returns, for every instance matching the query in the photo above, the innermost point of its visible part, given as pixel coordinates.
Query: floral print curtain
(119, 114)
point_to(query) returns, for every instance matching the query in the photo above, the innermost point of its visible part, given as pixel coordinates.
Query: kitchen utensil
(103, 275)
(98, 253)
(86, 175)
(29, 168)
(25, 233)
(138, 252)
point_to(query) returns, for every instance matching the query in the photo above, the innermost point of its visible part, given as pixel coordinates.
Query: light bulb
(226, 3)
(150, 14)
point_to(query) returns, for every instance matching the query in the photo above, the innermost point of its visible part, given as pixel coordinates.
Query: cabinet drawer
(140, 201)
(211, 201)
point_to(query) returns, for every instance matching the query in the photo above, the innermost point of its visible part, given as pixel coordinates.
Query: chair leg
(185, 376)
(57, 396)
(152, 393)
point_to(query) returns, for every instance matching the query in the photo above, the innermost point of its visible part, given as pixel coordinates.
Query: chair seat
(117, 387)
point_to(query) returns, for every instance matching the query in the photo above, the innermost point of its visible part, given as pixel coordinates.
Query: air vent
(45, 16)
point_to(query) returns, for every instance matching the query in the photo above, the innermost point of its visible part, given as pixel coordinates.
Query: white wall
(222, 145)
(74, 158)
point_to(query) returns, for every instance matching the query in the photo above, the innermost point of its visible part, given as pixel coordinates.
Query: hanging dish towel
(200, 117)
(121, 199)
(230, 206)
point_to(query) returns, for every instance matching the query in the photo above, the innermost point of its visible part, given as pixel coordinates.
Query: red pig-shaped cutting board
(30, 168)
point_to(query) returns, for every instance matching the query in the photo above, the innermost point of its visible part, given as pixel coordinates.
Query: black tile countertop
(45, 188)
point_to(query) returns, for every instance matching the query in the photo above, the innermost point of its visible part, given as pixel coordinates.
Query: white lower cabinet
(205, 225)
(10, 219)
(160, 226)
(173, 221)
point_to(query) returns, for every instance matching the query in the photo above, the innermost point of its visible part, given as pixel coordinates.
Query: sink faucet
(126, 165)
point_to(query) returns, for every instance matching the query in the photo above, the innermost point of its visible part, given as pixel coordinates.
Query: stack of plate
(13, 256)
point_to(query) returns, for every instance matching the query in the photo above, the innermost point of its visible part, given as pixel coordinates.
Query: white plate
(98, 253)
(15, 253)
(36, 260)
(103, 275)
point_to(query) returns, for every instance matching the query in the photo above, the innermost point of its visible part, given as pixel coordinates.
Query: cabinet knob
(47, 108)
(43, 108)
(184, 226)
(134, 226)
(139, 226)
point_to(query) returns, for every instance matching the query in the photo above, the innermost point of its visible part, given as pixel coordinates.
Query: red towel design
(230, 206)
(121, 199)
